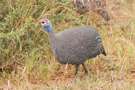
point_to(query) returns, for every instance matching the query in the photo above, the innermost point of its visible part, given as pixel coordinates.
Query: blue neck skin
(48, 28)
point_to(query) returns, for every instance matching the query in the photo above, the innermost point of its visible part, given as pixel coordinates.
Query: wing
(79, 44)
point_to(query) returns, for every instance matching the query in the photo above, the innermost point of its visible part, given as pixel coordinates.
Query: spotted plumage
(74, 45)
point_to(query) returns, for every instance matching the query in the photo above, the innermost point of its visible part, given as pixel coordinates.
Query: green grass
(26, 61)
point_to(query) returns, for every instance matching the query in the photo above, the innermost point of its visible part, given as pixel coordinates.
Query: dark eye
(43, 22)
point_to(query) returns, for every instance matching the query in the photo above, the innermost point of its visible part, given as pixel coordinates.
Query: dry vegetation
(26, 61)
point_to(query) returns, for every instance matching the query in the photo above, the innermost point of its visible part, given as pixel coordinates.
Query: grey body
(76, 45)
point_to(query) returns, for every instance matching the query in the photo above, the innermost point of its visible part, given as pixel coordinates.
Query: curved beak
(37, 24)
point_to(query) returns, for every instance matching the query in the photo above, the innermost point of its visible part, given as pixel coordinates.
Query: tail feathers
(104, 53)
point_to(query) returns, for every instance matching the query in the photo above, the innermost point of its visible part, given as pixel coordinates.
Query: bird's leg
(86, 70)
(76, 70)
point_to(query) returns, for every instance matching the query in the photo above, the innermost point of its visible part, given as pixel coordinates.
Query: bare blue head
(46, 24)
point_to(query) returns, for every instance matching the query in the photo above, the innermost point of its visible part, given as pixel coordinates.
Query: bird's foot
(86, 73)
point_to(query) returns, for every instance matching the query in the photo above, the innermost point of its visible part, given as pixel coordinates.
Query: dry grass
(26, 61)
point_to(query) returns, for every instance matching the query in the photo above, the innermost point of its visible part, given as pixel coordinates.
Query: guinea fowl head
(45, 23)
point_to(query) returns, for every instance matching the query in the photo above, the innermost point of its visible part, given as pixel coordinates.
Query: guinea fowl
(75, 45)
(97, 6)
